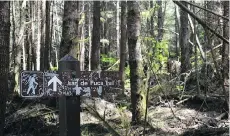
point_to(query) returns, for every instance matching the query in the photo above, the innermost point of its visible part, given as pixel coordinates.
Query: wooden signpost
(69, 84)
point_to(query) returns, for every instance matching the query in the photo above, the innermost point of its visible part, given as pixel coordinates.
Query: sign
(51, 84)
(32, 84)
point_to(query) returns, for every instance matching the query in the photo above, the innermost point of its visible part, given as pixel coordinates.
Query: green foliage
(127, 72)
(157, 52)
(102, 19)
(53, 68)
(84, 40)
(106, 59)
(146, 14)
(82, 20)
(179, 87)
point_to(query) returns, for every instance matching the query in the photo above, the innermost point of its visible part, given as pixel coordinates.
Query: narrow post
(69, 106)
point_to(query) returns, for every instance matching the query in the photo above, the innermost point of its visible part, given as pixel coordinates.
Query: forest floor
(167, 116)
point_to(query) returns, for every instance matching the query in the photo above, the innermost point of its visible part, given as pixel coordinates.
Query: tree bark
(95, 52)
(33, 46)
(118, 27)
(177, 28)
(123, 46)
(38, 48)
(42, 27)
(27, 38)
(70, 30)
(152, 20)
(184, 38)
(18, 51)
(4, 59)
(82, 43)
(160, 21)
(135, 60)
(225, 48)
(90, 35)
(47, 37)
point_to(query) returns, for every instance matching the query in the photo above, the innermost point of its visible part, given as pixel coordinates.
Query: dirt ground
(166, 117)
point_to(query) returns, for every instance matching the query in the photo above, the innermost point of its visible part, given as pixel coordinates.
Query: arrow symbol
(54, 80)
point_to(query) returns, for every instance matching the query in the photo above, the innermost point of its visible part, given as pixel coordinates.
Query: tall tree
(160, 21)
(38, 48)
(43, 31)
(123, 46)
(95, 52)
(135, 59)
(152, 20)
(27, 40)
(47, 37)
(225, 48)
(18, 49)
(4, 59)
(82, 32)
(184, 38)
(70, 29)
(118, 26)
(69, 45)
(177, 25)
(225, 51)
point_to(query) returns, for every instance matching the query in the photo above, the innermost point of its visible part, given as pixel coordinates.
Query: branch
(114, 65)
(214, 47)
(199, 20)
(226, 18)
(197, 40)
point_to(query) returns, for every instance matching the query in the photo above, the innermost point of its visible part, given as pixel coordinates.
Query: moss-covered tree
(135, 59)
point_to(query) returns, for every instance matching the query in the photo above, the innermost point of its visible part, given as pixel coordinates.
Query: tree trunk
(225, 48)
(82, 43)
(42, 27)
(160, 22)
(27, 38)
(95, 52)
(193, 39)
(123, 46)
(184, 38)
(13, 56)
(38, 48)
(4, 59)
(33, 46)
(47, 37)
(22, 21)
(118, 27)
(70, 30)
(90, 35)
(18, 52)
(135, 60)
(177, 24)
(152, 21)
(51, 56)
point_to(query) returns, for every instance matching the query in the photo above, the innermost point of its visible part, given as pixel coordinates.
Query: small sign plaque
(32, 84)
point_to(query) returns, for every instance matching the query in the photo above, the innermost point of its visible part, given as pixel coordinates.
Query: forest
(161, 66)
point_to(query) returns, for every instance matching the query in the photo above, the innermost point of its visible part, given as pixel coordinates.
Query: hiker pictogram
(32, 84)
